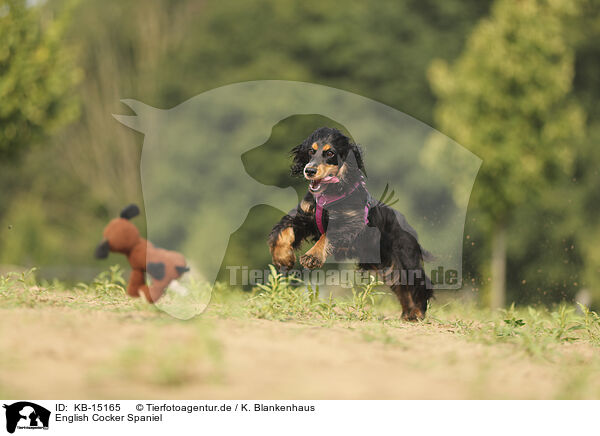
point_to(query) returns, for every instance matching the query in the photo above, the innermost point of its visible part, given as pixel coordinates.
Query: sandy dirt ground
(64, 353)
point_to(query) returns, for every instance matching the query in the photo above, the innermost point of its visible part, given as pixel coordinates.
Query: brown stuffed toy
(121, 236)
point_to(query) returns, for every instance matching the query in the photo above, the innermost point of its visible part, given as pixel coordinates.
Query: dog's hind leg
(410, 311)
(413, 293)
(411, 285)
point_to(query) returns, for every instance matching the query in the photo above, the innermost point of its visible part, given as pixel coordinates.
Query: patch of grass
(362, 305)
(16, 288)
(537, 331)
(105, 292)
(534, 330)
(591, 324)
(288, 298)
(109, 284)
(279, 299)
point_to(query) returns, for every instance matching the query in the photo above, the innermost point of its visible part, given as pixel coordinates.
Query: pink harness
(323, 200)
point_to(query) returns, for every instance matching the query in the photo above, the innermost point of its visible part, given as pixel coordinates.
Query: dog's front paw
(311, 262)
(283, 257)
(284, 261)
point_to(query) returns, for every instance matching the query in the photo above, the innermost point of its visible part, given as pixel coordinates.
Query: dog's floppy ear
(130, 211)
(355, 159)
(359, 158)
(156, 270)
(300, 159)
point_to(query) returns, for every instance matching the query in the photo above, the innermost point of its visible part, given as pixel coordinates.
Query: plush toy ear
(156, 270)
(130, 211)
(102, 250)
(182, 269)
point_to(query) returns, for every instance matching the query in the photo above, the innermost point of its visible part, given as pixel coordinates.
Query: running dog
(345, 221)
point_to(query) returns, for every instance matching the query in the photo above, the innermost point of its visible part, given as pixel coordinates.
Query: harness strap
(322, 200)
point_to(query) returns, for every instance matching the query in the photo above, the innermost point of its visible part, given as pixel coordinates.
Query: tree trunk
(498, 285)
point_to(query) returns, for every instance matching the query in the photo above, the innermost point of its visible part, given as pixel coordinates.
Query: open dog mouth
(317, 184)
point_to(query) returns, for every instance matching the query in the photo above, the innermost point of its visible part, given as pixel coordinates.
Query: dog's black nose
(310, 171)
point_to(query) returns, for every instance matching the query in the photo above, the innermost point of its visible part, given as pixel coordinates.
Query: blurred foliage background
(514, 82)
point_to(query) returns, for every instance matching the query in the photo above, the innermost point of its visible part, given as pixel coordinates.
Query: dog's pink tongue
(330, 179)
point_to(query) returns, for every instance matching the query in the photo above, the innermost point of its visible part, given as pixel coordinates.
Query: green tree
(379, 50)
(508, 99)
(37, 98)
(37, 75)
(170, 50)
(586, 177)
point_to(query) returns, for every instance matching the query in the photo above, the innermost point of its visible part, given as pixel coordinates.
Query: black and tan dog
(346, 222)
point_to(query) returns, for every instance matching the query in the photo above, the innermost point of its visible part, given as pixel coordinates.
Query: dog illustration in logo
(34, 415)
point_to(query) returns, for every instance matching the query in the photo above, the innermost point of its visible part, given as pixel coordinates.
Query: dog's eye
(312, 151)
(329, 153)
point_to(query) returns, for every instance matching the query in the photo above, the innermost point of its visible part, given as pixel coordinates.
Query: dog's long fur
(328, 152)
